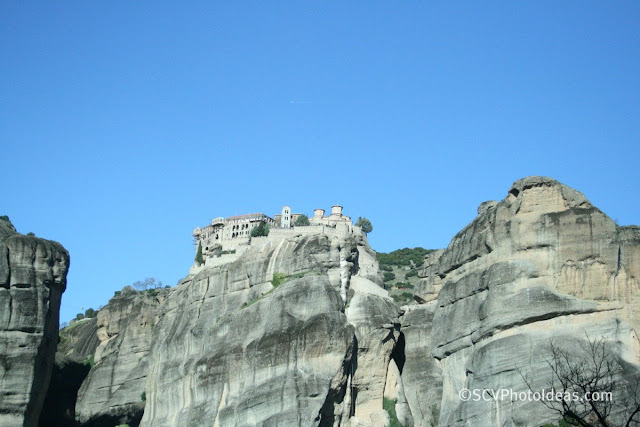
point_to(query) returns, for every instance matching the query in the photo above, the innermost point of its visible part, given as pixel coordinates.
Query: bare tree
(590, 385)
(148, 283)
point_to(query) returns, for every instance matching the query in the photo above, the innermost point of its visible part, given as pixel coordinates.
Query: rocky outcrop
(76, 348)
(235, 346)
(542, 264)
(113, 392)
(420, 373)
(298, 331)
(78, 341)
(32, 279)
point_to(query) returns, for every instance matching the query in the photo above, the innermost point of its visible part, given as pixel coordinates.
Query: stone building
(229, 233)
(225, 239)
(286, 219)
(335, 218)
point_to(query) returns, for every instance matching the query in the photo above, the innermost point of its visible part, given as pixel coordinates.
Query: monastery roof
(245, 216)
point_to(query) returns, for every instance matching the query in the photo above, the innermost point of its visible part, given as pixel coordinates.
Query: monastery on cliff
(232, 235)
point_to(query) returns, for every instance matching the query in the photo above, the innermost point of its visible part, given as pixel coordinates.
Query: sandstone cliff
(542, 264)
(113, 392)
(235, 346)
(32, 279)
(76, 348)
(298, 330)
(78, 341)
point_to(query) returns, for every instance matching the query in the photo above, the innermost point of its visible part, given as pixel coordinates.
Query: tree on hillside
(365, 225)
(199, 258)
(261, 230)
(148, 283)
(595, 390)
(302, 220)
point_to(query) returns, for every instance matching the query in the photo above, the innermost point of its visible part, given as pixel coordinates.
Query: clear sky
(124, 125)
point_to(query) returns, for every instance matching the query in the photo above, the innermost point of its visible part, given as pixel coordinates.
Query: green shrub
(5, 218)
(143, 396)
(278, 279)
(90, 312)
(89, 361)
(389, 276)
(385, 267)
(116, 293)
(389, 405)
(365, 225)
(31, 233)
(412, 273)
(302, 220)
(261, 230)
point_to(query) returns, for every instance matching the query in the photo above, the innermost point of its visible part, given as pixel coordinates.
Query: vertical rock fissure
(327, 415)
(8, 284)
(397, 354)
(10, 310)
(353, 390)
(619, 265)
(9, 291)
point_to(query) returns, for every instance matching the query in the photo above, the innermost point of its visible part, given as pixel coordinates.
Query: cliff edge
(33, 275)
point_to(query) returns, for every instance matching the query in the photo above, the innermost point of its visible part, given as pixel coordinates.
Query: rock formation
(542, 264)
(113, 392)
(235, 347)
(298, 331)
(32, 279)
(76, 348)
(78, 341)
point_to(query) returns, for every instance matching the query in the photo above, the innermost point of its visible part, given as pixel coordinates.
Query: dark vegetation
(389, 276)
(365, 225)
(261, 230)
(88, 313)
(302, 220)
(400, 262)
(389, 405)
(403, 257)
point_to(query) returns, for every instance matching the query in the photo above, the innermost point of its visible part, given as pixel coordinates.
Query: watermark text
(505, 394)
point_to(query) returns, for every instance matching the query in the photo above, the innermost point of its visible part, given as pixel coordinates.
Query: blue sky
(124, 125)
